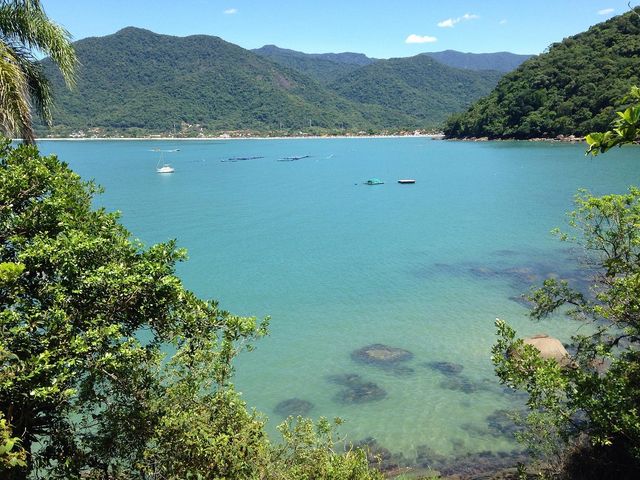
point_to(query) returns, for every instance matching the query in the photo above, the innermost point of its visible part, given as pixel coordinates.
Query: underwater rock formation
(356, 389)
(446, 368)
(501, 424)
(293, 407)
(384, 356)
(379, 456)
(465, 384)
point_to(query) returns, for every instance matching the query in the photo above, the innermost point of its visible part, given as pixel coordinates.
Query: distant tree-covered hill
(323, 67)
(136, 82)
(499, 61)
(570, 89)
(418, 86)
(327, 67)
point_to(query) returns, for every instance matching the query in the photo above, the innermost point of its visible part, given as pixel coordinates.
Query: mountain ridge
(138, 82)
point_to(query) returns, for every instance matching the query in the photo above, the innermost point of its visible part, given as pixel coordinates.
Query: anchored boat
(165, 168)
(374, 181)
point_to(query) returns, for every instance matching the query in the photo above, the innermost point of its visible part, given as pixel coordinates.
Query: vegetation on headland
(137, 83)
(572, 89)
(584, 419)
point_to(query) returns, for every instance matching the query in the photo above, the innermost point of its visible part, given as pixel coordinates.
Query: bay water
(339, 265)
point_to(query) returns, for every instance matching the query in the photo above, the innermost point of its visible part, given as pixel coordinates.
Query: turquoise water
(339, 265)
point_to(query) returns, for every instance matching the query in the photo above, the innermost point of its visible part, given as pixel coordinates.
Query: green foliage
(308, 454)
(499, 61)
(418, 86)
(136, 82)
(11, 454)
(569, 90)
(24, 30)
(599, 392)
(323, 68)
(109, 368)
(85, 315)
(626, 128)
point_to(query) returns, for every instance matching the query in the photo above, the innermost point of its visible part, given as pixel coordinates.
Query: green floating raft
(374, 181)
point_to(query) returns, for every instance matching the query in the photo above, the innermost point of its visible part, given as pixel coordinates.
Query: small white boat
(166, 168)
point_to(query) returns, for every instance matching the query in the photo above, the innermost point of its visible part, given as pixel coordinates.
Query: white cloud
(605, 11)
(413, 38)
(503, 21)
(231, 11)
(450, 22)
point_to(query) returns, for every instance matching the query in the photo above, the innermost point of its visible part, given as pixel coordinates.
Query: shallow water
(340, 265)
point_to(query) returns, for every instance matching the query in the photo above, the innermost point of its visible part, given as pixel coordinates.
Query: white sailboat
(165, 168)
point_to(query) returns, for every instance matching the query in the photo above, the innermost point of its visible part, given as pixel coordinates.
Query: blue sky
(380, 29)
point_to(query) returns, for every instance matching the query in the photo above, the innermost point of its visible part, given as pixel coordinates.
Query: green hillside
(500, 61)
(418, 86)
(323, 67)
(571, 89)
(136, 81)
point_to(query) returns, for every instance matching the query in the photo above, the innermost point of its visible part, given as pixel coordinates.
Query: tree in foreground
(24, 30)
(87, 388)
(588, 411)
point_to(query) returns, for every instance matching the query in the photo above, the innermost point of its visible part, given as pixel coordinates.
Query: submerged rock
(521, 300)
(427, 457)
(381, 355)
(361, 392)
(293, 407)
(356, 390)
(500, 423)
(446, 368)
(484, 464)
(464, 384)
(380, 457)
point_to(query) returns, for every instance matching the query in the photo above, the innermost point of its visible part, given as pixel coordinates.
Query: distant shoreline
(433, 136)
(191, 139)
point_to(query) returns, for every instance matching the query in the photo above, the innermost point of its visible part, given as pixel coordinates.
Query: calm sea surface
(339, 265)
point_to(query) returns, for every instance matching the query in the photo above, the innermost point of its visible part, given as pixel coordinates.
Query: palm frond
(15, 111)
(26, 23)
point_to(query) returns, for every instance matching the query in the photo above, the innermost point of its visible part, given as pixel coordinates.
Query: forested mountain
(323, 67)
(326, 67)
(500, 61)
(571, 89)
(136, 79)
(136, 82)
(418, 86)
